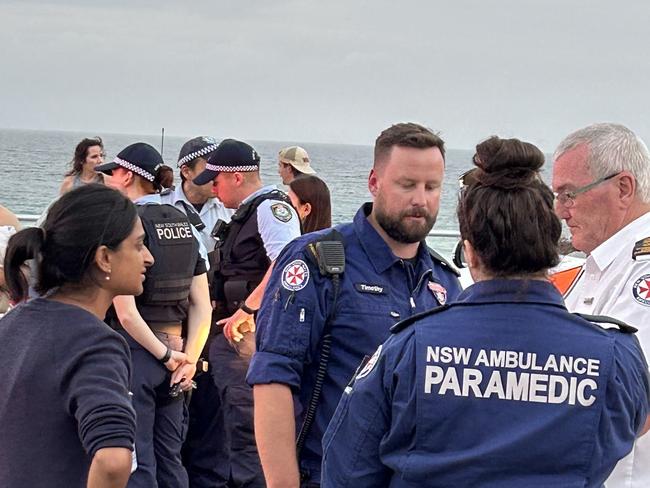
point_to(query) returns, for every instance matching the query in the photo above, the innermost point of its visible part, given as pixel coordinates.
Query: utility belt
(172, 341)
(168, 329)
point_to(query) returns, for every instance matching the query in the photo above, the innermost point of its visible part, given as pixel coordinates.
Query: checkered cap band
(197, 154)
(232, 169)
(136, 169)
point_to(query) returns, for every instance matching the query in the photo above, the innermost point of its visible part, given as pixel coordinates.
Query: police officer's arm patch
(641, 250)
(281, 211)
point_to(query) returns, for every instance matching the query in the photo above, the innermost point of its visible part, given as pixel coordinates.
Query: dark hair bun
(507, 163)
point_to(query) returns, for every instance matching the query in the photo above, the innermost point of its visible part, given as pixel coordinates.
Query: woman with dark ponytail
(504, 387)
(66, 417)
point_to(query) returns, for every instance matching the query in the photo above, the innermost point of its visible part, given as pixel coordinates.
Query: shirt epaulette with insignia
(403, 324)
(604, 319)
(166, 191)
(641, 251)
(437, 257)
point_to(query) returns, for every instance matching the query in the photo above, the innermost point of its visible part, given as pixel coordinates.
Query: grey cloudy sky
(325, 71)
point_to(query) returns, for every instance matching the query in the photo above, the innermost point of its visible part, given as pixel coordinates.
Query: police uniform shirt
(211, 212)
(376, 290)
(614, 282)
(504, 388)
(277, 222)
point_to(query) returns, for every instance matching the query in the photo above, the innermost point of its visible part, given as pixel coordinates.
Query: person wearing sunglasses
(502, 387)
(601, 180)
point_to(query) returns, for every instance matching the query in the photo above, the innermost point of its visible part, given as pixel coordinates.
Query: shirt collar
(380, 254)
(604, 254)
(150, 198)
(503, 290)
(179, 196)
(261, 191)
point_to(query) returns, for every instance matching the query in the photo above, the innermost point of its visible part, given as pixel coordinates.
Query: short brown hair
(406, 134)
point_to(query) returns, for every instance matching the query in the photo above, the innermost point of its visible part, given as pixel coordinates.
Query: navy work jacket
(504, 388)
(377, 290)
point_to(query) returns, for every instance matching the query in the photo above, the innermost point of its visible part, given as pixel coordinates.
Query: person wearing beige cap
(292, 162)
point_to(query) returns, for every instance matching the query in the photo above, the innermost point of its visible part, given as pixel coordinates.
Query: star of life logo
(295, 275)
(641, 290)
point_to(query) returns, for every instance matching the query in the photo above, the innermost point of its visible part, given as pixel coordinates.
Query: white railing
(29, 220)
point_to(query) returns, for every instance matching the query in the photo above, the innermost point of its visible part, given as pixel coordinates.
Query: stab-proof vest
(243, 256)
(170, 240)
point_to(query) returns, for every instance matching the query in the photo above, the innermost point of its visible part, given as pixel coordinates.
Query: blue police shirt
(504, 388)
(377, 290)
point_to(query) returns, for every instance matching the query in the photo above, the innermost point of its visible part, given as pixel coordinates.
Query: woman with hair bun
(66, 417)
(504, 387)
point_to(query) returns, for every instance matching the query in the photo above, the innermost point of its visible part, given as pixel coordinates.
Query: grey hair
(612, 148)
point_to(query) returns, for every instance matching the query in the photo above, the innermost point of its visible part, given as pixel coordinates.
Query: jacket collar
(504, 290)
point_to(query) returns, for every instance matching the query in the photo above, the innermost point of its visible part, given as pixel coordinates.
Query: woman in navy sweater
(65, 410)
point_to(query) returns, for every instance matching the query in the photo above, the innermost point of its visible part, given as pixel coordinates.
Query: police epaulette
(641, 250)
(403, 324)
(165, 192)
(434, 255)
(604, 319)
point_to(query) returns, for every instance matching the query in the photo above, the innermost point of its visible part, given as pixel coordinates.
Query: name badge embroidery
(368, 288)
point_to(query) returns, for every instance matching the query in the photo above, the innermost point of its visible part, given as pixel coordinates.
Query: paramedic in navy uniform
(389, 275)
(176, 289)
(504, 387)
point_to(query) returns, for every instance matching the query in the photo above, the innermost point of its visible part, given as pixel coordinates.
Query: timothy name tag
(368, 288)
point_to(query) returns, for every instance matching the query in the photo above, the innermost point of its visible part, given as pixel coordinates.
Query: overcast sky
(325, 71)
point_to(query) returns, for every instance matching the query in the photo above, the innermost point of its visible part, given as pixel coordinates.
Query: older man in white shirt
(601, 178)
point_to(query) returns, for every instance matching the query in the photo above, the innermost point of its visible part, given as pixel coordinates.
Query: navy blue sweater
(63, 394)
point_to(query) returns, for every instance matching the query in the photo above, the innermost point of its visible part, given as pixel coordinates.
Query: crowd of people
(221, 333)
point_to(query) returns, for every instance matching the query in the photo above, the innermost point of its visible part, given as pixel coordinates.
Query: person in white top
(601, 180)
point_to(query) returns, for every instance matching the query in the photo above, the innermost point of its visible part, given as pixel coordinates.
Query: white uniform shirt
(277, 222)
(613, 283)
(212, 211)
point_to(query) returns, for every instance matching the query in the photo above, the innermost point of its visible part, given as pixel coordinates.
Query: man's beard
(401, 230)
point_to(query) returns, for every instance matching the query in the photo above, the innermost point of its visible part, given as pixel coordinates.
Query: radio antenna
(162, 141)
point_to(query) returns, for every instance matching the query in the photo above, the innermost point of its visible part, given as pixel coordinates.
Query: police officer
(602, 176)
(204, 437)
(389, 274)
(248, 246)
(176, 290)
(197, 201)
(504, 387)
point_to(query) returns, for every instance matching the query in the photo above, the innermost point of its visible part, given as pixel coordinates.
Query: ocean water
(33, 164)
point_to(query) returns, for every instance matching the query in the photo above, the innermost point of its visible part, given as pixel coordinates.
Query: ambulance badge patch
(281, 212)
(439, 291)
(295, 275)
(370, 365)
(641, 290)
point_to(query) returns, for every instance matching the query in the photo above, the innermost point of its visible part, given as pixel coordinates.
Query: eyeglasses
(568, 198)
